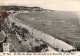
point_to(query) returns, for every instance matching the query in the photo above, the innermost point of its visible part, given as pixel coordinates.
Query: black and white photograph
(39, 26)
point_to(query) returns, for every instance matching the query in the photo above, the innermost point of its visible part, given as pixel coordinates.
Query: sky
(61, 5)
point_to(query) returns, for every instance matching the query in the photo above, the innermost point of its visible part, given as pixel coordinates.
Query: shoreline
(47, 38)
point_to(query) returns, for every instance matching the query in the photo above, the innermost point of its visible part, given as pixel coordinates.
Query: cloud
(62, 5)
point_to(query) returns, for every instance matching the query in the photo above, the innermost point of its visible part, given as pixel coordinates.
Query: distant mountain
(21, 8)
